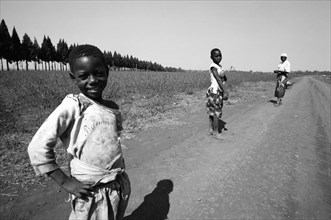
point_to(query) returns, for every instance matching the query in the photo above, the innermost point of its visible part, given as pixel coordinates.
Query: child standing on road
(284, 68)
(216, 92)
(89, 127)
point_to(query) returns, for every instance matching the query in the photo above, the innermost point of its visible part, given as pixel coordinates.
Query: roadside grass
(146, 99)
(324, 77)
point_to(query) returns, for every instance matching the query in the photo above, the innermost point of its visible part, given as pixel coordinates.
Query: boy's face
(216, 57)
(91, 76)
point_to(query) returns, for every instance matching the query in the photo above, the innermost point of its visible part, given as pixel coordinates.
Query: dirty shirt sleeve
(41, 147)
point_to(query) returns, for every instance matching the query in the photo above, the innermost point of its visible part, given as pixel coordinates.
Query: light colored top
(214, 85)
(88, 173)
(284, 66)
(88, 130)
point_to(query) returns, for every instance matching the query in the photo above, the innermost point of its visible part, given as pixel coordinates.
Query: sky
(250, 34)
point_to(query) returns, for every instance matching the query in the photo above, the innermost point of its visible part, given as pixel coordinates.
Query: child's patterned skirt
(280, 89)
(214, 103)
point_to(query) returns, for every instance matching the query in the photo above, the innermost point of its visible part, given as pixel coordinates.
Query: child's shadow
(221, 126)
(156, 205)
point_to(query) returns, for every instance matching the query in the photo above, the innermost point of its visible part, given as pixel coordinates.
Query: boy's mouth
(96, 89)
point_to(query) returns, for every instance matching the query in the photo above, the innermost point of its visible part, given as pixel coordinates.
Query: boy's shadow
(156, 205)
(221, 126)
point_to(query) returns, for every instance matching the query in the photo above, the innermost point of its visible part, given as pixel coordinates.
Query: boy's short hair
(85, 50)
(214, 50)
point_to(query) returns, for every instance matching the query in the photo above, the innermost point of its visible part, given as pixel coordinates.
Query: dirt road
(274, 163)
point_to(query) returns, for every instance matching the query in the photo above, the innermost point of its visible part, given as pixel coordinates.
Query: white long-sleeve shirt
(87, 129)
(284, 66)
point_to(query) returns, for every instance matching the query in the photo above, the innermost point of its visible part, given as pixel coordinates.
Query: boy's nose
(93, 78)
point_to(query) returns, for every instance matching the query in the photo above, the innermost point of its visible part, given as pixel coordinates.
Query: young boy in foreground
(89, 128)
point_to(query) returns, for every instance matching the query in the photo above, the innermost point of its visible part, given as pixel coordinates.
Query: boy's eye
(82, 76)
(100, 74)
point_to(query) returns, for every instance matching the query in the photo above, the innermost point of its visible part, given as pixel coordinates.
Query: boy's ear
(72, 76)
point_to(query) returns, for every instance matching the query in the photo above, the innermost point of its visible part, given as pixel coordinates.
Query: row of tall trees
(52, 57)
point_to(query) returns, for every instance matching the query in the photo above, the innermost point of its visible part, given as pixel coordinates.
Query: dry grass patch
(146, 99)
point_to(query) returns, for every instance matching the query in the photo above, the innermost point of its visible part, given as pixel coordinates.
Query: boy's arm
(218, 78)
(41, 150)
(41, 147)
(284, 69)
(71, 184)
(220, 82)
(287, 67)
(280, 71)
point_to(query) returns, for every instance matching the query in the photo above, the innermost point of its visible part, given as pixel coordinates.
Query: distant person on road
(216, 93)
(284, 68)
(89, 128)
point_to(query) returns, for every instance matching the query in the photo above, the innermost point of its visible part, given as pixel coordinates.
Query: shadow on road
(156, 204)
(273, 101)
(221, 126)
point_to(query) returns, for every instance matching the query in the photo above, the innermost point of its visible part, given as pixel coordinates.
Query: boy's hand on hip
(77, 188)
(71, 184)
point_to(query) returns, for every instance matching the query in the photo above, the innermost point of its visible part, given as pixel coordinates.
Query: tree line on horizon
(15, 51)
